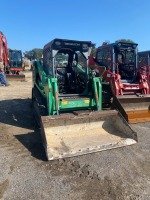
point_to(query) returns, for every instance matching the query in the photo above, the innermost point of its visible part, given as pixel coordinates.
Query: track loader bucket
(15, 77)
(134, 108)
(81, 133)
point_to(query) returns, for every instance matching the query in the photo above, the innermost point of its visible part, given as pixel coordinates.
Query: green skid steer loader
(67, 102)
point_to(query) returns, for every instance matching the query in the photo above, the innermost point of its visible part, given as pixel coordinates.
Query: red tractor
(15, 61)
(12, 60)
(3, 50)
(144, 64)
(122, 80)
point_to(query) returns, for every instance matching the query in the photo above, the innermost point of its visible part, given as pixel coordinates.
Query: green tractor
(67, 102)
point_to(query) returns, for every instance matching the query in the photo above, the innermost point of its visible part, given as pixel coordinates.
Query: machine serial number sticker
(86, 101)
(64, 102)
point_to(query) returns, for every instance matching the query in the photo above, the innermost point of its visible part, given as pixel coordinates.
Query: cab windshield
(126, 61)
(126, 57)
(70, 70)
(70, 58)
(15, 56)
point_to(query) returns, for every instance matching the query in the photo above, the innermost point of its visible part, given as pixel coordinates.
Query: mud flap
(134, 108)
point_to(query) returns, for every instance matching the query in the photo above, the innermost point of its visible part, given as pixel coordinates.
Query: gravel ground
(117, 174)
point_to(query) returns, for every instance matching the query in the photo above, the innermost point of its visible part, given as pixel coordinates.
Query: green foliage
(125, 40)
(33, 54)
